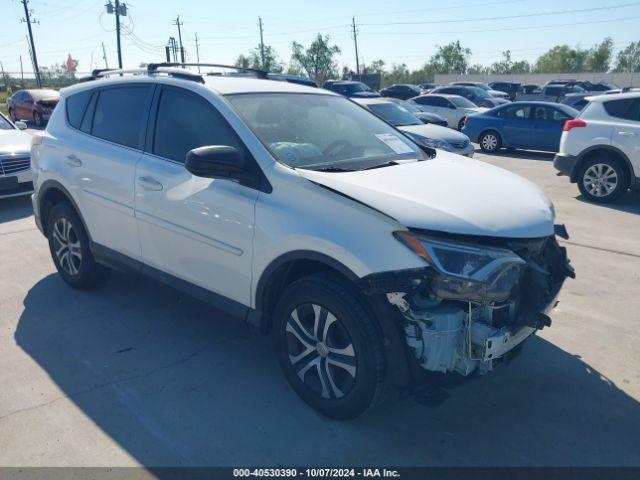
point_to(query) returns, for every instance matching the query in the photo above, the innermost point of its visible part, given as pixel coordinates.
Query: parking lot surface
(137, 373)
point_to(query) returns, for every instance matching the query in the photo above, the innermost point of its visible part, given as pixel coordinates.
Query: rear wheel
(69, 246)
(603, 179)
(490, 142)
(12, 115)
(328, 347)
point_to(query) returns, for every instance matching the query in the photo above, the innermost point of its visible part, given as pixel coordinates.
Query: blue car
(526, 125)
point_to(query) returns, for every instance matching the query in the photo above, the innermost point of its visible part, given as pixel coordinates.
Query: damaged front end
(477, 298)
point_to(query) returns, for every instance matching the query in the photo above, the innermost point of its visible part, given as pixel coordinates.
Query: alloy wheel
(489, 142)
(320, 351)
(600, 180)
(67, 246)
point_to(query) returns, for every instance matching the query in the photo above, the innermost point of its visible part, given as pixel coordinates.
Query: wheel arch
(607, 149)
(51, 193)
(286, 269)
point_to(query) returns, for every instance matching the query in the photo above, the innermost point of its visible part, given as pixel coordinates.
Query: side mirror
(216, 161)
(20, 125)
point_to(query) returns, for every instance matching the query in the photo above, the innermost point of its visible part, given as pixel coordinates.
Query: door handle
(73, 161)
(149, 184)
(626, 134)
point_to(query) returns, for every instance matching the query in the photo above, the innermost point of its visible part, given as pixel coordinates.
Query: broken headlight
(465, 271)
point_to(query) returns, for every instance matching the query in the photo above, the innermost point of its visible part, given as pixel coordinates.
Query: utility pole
(355, 41)
(261, 43)
(28, 20)
(120, 9)
(21, 71)
(197, 52)
(179, 24)
(104, 56)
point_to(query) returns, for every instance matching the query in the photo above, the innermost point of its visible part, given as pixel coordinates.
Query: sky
(396, 32)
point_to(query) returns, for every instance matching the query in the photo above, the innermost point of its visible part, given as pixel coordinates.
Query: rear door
(549, 123)
(626, 129)
(199, 230)
(102, 161)
(517, 127)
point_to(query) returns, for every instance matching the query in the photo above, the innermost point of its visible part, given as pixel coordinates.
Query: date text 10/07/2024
(316, 472)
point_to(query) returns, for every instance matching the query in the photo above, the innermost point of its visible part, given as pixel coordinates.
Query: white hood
(14, 141)
(449, 194)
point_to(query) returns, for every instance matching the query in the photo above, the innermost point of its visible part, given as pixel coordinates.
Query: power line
(32, 46)
(355, 41)
(524, 15)
(120, 9)
(261, 42)
(179, 24)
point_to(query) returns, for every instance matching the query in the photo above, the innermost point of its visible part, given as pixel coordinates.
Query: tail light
(466, 119)
(574, 123)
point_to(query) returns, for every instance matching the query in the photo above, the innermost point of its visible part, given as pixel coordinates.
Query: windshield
(394, 114)
(4, 123)
(462, 102)
(480, 93)
(412, 107)
(322, 132)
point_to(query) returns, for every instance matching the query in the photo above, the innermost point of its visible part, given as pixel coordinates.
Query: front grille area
(10, 165)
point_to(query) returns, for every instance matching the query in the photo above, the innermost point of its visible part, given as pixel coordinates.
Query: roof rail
(177, 73)
(152, 67)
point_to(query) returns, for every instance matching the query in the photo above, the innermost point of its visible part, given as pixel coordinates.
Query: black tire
(359, 382)
(603, 179)
(461, 123)
(12, 115)
(79, 269)
(490, 141)
(38, 119)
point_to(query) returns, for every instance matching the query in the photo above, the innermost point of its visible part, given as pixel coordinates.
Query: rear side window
(627, 108)
(120, 114)
(186, 121)
(555, 91)
(76, 106)
(521, 112)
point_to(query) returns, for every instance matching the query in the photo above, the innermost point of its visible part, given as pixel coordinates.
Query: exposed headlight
(465, 271)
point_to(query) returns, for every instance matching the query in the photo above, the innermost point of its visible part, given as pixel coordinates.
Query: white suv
(600, 149)
(371, 261)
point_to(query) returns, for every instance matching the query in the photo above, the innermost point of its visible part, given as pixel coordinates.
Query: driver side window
(186, 121)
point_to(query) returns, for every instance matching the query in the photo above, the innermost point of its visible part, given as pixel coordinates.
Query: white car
(600, 149)
(15, 159)
(297, 210)
(431, 136)
(453, 108)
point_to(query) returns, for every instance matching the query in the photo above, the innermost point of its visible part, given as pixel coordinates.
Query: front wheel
(328, 347)
(69, 246)
(602, 180)
(490, 142)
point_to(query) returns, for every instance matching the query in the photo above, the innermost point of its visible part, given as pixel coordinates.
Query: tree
(477, 69)
(451, 58)
(508, 66)
(254, 60)
(377, 66)
(599, 57)
(318, 61)
(628, 60)
(562, 59)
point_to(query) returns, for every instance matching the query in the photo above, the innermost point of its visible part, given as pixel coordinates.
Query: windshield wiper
(381, 165)
(332, 169)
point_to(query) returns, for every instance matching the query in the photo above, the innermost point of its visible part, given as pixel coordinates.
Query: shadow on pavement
(15, 208)
(174, 382)
(629, 202)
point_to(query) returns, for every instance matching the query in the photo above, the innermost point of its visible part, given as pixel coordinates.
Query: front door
(199, 230)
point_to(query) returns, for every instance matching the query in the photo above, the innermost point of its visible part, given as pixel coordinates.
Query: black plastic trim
(42, 193)
(118, 261)
(609, 148)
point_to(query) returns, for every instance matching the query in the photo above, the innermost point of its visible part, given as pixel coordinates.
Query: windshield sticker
(394, 143)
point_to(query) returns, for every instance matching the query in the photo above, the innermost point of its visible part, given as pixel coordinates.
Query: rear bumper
(565, 164)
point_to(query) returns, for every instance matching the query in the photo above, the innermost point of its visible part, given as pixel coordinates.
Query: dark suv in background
(510, 88)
